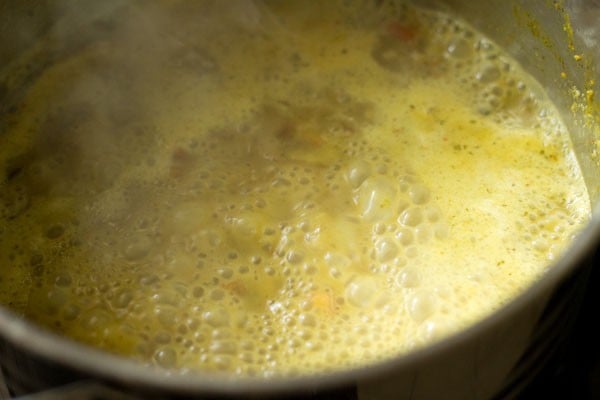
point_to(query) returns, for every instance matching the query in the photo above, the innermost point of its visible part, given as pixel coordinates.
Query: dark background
(574, 373)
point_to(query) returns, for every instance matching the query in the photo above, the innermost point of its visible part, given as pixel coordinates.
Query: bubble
(138, 249)
(216, 318)
(162, 337)
(148, 280)
(419, 194)
(96, 319)
(488, 74)
(223, 347)
(246, 357)
(166, 297)
(294, 257)
(421, 305)
(377, 199)
(357, 172)
(311, 345)
(432, 214)
(435, 329)
(63, 279)
(460, 48)
(56, 299)
(198, 291)
(409, 277)
(361, 291)
(166, 317)
(217, 294)
(71, 312)
(405, 237)
(411, 217)
(122, 298)
(307, 320)
(386, 249)
(423, 233)
(166, 357)
(540, 244)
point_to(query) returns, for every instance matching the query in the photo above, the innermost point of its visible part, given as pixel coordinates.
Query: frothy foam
(293, 201)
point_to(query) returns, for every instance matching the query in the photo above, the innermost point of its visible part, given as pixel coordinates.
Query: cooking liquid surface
(294, 188)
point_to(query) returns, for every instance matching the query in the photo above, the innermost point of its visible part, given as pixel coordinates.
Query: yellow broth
(276, 188)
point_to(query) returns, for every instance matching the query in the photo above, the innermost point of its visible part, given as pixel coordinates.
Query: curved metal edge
(120, 370)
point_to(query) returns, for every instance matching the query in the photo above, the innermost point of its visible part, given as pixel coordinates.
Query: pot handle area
(82, 390)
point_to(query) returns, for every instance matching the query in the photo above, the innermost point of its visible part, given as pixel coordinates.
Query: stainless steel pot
(556, 41)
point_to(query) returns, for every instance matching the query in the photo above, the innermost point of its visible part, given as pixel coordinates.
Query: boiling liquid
(295, 188)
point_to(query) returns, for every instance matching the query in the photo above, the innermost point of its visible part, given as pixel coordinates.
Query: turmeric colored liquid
(276, 188)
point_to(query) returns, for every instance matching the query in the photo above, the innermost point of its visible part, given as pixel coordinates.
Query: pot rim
(117, 369)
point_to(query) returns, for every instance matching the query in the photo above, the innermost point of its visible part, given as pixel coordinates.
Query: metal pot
(555, 41)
